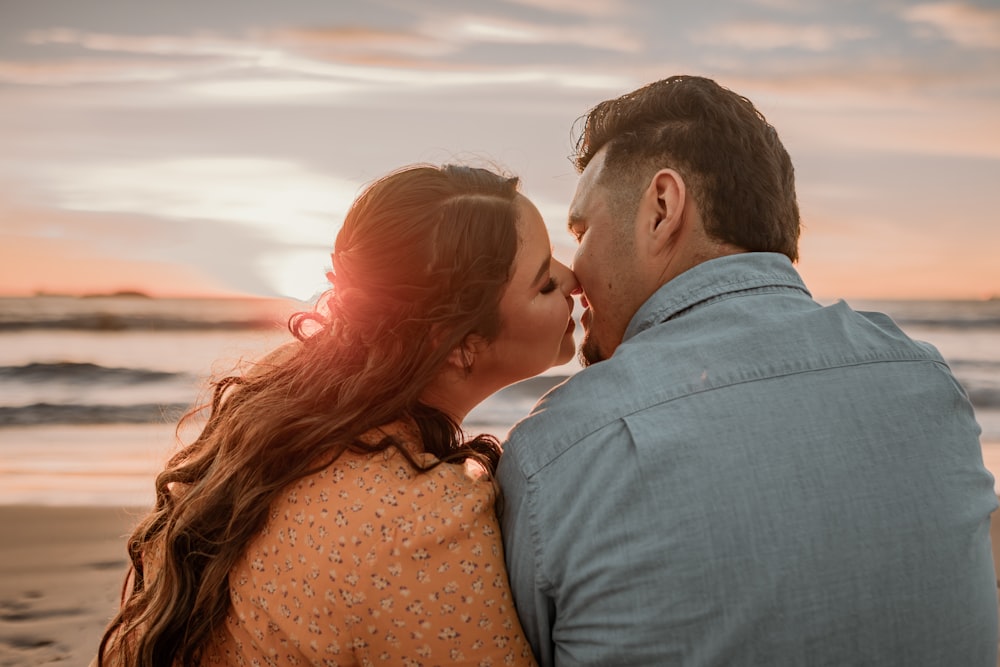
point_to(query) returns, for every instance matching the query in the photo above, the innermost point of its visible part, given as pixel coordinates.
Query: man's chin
(590, 352)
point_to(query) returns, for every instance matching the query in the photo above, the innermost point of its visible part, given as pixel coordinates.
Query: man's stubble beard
(590, 352)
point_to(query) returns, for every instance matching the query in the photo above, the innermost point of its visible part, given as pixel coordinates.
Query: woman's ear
(463, 355)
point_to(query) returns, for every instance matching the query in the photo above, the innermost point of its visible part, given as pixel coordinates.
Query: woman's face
(536, 324)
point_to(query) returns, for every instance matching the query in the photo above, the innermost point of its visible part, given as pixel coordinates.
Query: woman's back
(371, 562)
(303, 525)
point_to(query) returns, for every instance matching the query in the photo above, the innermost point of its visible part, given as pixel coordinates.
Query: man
(740, 476)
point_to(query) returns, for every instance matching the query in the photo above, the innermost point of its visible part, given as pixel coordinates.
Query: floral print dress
(373, 562)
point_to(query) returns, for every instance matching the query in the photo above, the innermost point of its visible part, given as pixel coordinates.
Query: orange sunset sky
(185, 148)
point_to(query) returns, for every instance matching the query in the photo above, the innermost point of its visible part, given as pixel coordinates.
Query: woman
(324, 515)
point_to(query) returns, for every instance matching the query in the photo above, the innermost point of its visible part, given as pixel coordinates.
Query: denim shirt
(753, 479)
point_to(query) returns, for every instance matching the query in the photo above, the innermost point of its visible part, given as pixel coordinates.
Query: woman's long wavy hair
(420, 264)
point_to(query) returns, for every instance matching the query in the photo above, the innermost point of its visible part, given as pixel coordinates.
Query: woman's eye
(549, 286)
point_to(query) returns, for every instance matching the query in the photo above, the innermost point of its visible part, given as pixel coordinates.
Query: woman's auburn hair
(421, 263)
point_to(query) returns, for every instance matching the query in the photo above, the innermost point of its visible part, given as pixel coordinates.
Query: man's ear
(663, 209)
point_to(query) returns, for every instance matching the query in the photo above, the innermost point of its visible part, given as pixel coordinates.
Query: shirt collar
(712, 279)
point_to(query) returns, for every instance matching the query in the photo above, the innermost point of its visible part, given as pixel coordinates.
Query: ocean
(91, 388)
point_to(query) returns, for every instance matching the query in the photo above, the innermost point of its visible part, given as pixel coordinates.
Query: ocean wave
(49, 413)
(959, 316)
(111, 322)
(978, 365)
(135, 313)
(81, 373)
(984, 397)
(506, 407)
(956, 324)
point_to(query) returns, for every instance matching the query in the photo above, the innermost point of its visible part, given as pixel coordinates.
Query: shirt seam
(782, 374)
(731, 383)
(673, 308)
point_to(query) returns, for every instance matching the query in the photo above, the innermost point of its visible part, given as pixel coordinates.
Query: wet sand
(61, 569)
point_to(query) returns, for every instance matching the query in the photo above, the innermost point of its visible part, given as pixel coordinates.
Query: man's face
(605, 265)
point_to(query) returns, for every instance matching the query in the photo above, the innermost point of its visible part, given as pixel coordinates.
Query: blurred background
(172, 177)
(190, 148)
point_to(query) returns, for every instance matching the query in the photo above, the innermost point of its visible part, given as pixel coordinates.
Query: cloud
(442, 36)
(591, 8)
(876, 84)
(799, 6)
(201, 44)
(841, 115)
(358, 44)
(962, 23)
(263, 225)
(76, 71)
(769, 36)
(284, 65)
(162, 58)
(266, 90)
(471, 29)
(63, 251)
(290, 202)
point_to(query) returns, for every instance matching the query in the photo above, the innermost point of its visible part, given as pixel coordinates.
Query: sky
(207, 148)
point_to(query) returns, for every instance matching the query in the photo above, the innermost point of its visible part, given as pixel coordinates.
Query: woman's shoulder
(388, 481)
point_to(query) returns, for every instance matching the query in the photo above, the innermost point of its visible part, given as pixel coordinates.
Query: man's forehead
(589, 189)
(596, 165)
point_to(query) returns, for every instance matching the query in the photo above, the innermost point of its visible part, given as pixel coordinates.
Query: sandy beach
(61, 569)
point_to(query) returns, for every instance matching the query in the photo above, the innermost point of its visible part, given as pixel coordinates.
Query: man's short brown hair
(730, 157)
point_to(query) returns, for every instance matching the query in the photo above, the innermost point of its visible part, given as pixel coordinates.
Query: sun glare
(298, 208)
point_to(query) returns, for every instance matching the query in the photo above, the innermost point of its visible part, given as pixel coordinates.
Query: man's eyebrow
(543, 269)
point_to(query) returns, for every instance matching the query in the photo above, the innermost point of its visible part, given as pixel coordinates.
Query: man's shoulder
(578, 409)
(720, 347)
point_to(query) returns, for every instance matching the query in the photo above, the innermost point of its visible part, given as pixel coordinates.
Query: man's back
(753, 479)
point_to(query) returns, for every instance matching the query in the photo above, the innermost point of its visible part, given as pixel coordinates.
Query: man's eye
(549, 286)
